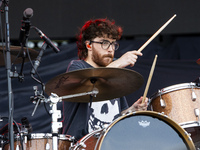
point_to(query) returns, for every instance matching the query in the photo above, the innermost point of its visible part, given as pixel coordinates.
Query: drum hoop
(190, 124)
(173, 88)
(34, 136)
(165, 118)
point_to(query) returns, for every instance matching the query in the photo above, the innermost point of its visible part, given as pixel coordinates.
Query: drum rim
(35, 136)
(189, 124)
(177, 127)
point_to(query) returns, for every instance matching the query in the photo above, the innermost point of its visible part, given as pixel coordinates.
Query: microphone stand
(9, 75)
(21, 75)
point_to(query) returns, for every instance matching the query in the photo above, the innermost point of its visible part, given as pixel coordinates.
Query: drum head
(145, 130)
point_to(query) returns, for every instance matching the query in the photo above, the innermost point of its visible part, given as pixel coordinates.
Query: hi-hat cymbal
(110, 82)
(14, 51)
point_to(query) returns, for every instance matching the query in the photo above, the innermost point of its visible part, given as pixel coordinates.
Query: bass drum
(144, 130)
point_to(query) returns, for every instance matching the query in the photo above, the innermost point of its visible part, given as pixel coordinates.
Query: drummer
(96, 44)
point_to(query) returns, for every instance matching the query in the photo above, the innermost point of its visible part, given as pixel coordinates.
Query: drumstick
(149, 79)
(155, 34)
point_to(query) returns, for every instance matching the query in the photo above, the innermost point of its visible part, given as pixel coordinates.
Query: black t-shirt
(79, 118)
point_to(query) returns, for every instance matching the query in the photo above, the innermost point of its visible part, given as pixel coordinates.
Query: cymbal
(14, 51)
(110, 82)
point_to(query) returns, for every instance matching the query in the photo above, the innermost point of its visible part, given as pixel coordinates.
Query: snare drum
(42, 141)
(139, 131)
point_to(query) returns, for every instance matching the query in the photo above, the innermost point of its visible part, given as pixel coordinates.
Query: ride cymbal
(110, 82)
(16, 55)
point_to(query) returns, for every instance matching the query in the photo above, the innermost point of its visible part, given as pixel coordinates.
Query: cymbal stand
(94, 92)
(9, 75)
(56, 114)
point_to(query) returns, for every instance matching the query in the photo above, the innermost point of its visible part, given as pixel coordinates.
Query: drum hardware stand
(56, 114)
(93, 81)
(92, 93)
(9, 75)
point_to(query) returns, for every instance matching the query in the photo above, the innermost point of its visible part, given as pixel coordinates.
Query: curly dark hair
(96, 28)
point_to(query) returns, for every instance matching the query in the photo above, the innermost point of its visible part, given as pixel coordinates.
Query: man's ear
(88, 45)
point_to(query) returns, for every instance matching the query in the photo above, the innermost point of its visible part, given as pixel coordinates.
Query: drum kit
(165, 126)
(171, 123)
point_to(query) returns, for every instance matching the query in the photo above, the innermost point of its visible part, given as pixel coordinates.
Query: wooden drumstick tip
(155, 34)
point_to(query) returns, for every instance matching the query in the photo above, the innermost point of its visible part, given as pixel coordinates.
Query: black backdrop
(61, 18)
(176, 64)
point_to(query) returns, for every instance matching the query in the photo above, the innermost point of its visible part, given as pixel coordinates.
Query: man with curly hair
(96, 44)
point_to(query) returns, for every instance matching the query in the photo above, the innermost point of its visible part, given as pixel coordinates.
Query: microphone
(26, 126)
(25, 28)
(47, 40)
(38, 59)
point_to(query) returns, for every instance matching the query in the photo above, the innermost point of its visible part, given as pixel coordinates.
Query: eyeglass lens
(106, 44)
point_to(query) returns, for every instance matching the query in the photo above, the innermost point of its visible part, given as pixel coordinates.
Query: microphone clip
(37, 98)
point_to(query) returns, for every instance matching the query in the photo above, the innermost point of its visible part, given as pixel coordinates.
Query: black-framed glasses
(105, 44)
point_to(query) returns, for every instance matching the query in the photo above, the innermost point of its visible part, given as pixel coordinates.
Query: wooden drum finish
(41, 141)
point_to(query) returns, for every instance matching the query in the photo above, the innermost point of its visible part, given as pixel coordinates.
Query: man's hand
(129, 58)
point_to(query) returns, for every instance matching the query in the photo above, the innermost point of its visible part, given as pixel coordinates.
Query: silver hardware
(196, 111)
(194, 97)
(162, 102)
(47, 146)
(82, 144)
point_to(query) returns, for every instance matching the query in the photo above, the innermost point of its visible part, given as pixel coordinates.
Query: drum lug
(196, 111)
(25, 139)
(162, 102)
(47, 146)
(194, 97)
(82, 144)
(17, 147)
(97, 135)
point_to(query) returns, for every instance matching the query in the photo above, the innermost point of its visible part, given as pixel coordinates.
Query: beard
(102, 60)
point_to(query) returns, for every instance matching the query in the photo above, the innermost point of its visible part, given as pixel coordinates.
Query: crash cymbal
(14, 51)
(110, 82)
